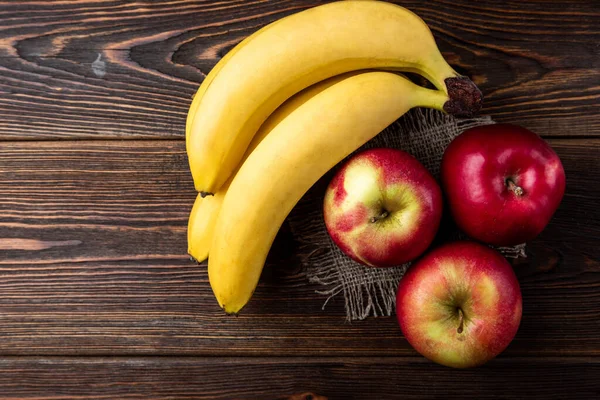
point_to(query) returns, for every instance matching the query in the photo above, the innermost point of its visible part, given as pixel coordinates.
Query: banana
(206, 209)
(297, 52)
(201, 224)
(295, 153)
(213, 73)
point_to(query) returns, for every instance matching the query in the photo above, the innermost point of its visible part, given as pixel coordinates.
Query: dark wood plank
(536, 62)
(277, 378)
(93, 261)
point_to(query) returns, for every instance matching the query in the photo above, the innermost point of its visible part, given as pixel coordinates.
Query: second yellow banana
(206, 209)
(302, 147)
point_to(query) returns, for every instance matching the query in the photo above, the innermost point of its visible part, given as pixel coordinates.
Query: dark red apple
(503, 183)
(383, 208)
(460, 305)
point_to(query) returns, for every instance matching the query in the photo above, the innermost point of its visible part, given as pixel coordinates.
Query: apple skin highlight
(459, 278)
(383, 208)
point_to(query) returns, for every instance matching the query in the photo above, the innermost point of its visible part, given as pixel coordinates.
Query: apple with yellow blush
(383, 208)
(460, 305)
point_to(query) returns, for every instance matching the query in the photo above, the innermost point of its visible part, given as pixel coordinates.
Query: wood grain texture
(277, 378)
(93, 262)
(117, 69)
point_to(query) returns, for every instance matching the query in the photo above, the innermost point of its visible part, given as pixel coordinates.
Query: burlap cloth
(425, 134)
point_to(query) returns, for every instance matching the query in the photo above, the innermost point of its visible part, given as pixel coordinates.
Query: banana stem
(430, 98)
(464, 99)
(438, 79)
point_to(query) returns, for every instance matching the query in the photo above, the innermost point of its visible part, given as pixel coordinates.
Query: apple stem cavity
(379, 217)
(461, 321)
(517, 190)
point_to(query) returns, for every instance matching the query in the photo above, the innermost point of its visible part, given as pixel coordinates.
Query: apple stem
(461, 321)
(517, 190)
(381, 216)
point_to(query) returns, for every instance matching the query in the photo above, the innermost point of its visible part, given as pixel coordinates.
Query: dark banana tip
(465, 97)
(204, 194)
(231, 314)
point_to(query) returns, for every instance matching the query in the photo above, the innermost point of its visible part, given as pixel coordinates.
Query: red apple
(460, 305)
(383, 208)
(503, 183)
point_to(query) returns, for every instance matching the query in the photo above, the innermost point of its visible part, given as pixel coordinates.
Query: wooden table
(98, 298)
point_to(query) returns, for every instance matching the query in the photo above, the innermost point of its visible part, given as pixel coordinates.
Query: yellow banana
(297, 52)
(213, 73)
(201, 224)
(206, 209)
(302, 147)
